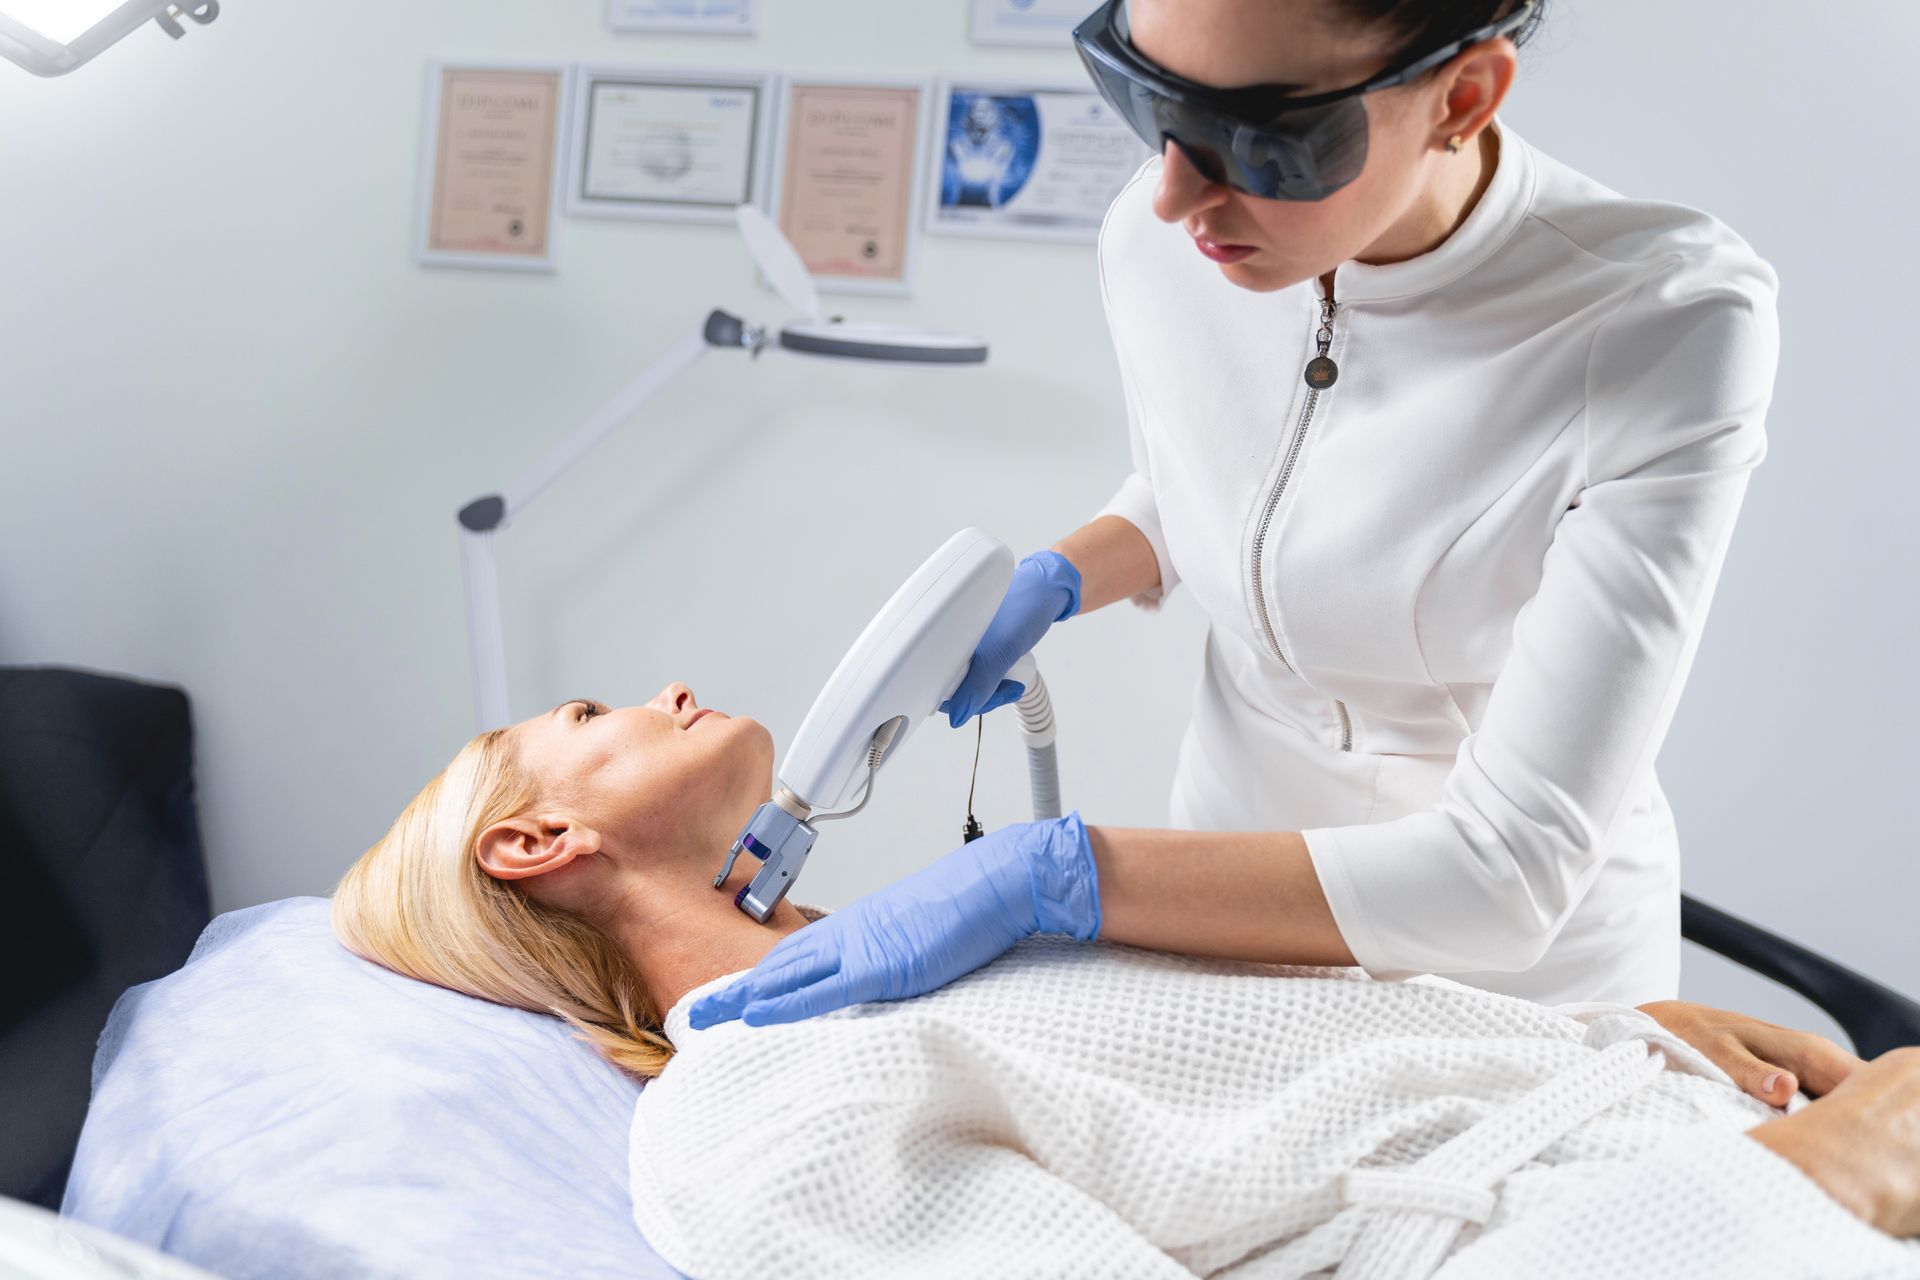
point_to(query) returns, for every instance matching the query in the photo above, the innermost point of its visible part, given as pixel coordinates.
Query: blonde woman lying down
(1095, 1109)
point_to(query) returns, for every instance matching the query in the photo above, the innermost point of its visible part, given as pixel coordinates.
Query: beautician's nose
(673, 699)
(1184, 190)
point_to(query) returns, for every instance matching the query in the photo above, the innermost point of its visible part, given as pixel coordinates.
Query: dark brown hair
(1421, 26)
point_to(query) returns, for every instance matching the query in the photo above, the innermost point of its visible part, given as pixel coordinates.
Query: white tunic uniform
(1454, 596)
(1075, 1110)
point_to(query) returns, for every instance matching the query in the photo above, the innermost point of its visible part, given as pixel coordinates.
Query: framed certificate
(1027, 161)
(489, 191)
(678, 145)
(1046, 23)
(716, 17)
(848, 177)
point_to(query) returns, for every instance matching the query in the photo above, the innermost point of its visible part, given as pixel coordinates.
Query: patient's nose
(674, 699)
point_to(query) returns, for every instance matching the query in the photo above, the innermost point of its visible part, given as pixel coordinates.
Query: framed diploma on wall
(1046, 23)
(715, 17)
(490, 161)
(1027, 161)
(677, 145)
(848, 177)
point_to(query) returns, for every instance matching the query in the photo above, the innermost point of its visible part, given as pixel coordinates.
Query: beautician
(1448, 440)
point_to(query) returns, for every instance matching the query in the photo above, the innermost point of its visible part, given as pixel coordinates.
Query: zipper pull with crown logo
(1321, 371)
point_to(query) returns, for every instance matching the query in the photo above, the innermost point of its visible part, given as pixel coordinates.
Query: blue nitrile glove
(922, 932)
(1045, 590)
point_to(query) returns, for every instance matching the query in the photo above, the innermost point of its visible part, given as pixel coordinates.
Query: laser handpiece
(909, 659)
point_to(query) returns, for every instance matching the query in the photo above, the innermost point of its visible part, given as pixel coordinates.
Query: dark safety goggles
(1258, 140)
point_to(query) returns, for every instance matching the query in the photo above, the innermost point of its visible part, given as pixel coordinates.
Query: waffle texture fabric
(1077, 1109)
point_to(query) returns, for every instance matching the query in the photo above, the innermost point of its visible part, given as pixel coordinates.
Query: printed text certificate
(493, 162)
(670, 143)
(846, 189)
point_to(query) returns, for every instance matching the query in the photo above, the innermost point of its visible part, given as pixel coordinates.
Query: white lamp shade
(867, 340)
(779, 261)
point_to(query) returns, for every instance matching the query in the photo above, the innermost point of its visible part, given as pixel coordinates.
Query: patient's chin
(754, 738)
(742, 754)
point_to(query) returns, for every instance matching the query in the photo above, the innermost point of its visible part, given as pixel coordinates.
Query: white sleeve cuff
(1323, 847)
(1134, 503)
(1418, 893)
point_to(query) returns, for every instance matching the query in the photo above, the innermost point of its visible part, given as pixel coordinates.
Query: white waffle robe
(1094, 1110)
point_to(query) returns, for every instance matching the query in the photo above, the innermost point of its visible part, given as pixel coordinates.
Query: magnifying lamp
(780, 263)
(52, 37)
(808, 333)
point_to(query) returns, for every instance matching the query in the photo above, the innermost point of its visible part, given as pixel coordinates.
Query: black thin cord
(973, 830)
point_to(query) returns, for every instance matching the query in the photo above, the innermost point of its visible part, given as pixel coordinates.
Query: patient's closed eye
(588, 711)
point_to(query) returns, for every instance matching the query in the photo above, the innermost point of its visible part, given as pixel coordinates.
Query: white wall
(236, 421)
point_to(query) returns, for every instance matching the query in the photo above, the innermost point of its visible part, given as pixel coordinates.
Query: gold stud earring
(1454, 143)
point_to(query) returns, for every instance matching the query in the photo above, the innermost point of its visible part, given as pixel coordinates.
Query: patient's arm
(1755, 1052)
(1861, 1143)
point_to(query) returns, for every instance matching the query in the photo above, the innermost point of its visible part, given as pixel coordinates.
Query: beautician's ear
(531, 846)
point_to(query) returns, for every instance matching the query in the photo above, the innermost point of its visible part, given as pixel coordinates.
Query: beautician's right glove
(1045, 590)
(922, 932)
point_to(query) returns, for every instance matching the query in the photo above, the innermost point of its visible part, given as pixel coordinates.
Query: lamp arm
(484, 517)
(602, 423)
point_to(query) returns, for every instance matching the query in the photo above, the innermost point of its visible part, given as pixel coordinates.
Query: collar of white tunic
(1501, 209)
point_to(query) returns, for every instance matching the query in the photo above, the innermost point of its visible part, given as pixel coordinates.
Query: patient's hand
(1767, 1060)
(1861, 1142)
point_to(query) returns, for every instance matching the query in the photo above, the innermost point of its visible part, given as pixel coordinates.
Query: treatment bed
(280, 1108)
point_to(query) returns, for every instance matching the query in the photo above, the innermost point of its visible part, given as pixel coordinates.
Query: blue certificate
(1034, 163)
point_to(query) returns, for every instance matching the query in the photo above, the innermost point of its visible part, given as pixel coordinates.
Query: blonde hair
(419, 903)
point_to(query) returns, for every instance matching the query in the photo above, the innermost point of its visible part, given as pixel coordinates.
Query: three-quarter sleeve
(1134, 502)
(1679, 378)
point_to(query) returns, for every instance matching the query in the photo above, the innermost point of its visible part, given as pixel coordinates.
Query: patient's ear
(532, 845)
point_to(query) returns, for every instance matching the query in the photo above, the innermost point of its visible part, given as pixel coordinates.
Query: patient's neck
(679, 935)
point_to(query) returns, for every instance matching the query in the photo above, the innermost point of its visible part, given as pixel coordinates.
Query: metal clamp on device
(780, 836)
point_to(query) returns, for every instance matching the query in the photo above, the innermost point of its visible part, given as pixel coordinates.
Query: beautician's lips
(1223, 252)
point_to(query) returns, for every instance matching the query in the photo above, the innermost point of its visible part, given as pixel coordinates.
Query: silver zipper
(1320, 372)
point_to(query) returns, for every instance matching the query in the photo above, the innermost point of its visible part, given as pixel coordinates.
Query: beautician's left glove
(922, 932)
